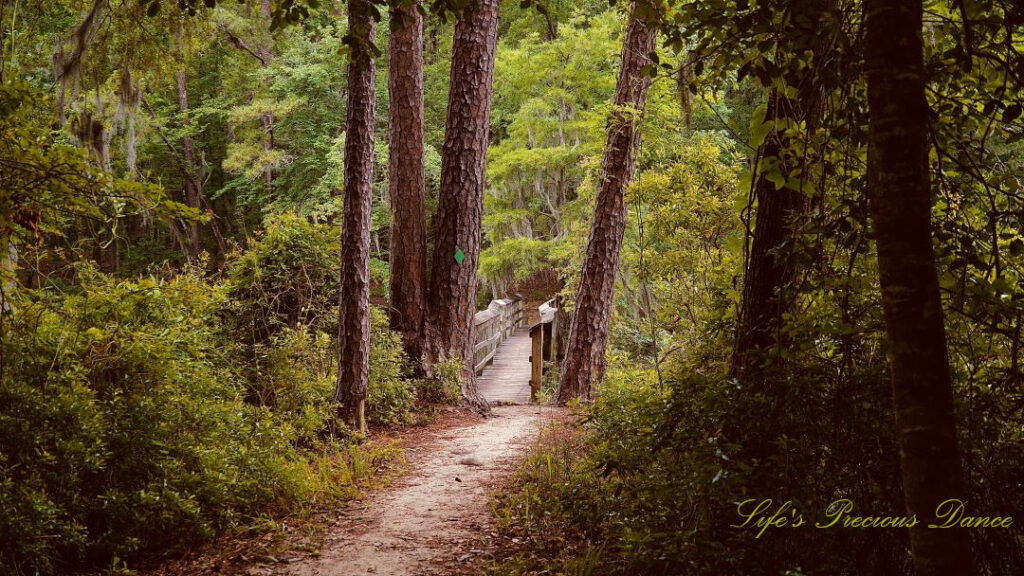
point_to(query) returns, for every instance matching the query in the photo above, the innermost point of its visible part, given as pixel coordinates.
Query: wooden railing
(544, 336)
(494, 325)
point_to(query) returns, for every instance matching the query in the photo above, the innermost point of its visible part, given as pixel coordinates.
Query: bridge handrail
(492, 326)
(544, 345)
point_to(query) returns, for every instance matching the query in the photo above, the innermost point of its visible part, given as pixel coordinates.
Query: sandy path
(419, 523)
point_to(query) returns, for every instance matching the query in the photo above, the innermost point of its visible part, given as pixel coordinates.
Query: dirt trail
(426, 519)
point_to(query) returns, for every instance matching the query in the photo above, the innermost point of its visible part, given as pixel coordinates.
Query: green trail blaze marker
(459, 255)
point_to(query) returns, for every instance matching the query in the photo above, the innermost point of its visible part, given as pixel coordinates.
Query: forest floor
(434, 519)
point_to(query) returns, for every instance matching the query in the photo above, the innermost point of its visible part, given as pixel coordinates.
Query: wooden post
(536, 359)
(548, 311)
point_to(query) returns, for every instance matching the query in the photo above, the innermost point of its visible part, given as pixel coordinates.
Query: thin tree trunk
(453, 283)
(193, 191)
(266, 55)
(588, 337)
(186, 169)
(900, 205)
(406, 186)
(354, 306)
(8, 267)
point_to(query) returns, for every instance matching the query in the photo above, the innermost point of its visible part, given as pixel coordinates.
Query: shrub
(286, 278)
(139, 416)
(122, 428)
(283, 310)
(651, 476)
(389, 397)
(445, 386)
(125, 429)
(296, 378)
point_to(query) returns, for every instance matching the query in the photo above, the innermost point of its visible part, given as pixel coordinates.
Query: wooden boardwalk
(507, 379)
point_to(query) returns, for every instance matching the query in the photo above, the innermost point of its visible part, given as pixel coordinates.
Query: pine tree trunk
(406, 186)
(900, 205)
(453, 284)
(354, 306)
(588, 337)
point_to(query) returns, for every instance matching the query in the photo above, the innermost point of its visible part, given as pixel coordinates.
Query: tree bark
(354, 306)
(900, 205)
(406, 185)
(453, 284)
(588, 337)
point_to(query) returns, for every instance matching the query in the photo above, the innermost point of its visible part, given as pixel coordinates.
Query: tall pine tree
(588, 337)
(406, 187)
(453, 282)
(354, 305)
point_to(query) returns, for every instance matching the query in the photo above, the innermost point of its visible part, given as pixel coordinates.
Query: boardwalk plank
(507, 378)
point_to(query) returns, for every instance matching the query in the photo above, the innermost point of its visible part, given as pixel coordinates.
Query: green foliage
(123, 429)
(137, 419)
(649, 476)
(545, 132)
(389, 397)
(296, 377)
(683, 244)
(138, 415)
(283, 309)
(282, 314)
(663, 456)
(513, 259)
(445, 386)
(49, 187)
(287, 278)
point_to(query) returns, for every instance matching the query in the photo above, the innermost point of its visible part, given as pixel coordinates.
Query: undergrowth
(529, 512)
(141, 416)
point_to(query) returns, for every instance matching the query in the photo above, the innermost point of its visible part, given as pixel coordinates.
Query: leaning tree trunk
(406, 187)
(453, 282)
(900, 204)
(354, 306)
(588, 337)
